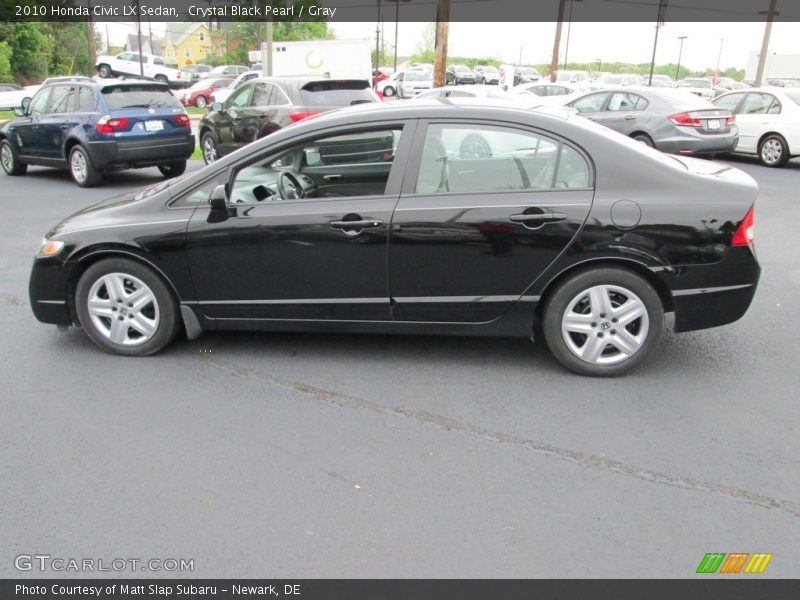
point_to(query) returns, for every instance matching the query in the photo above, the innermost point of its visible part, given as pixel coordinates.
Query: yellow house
(187, 43)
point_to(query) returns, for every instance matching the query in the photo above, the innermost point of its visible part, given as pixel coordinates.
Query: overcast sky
(610, 42)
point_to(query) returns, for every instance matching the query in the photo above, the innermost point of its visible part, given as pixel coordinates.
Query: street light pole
(680, 53)
(569, 30)
(662, 7)
(378, 38)
(762, 58)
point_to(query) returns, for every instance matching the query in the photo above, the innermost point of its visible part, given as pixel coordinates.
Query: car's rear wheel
(388, 91)
(104, 71)
(10, 160)
(81, 168)
(643, 138)
(201, 102)
(772, 151)
(603, 322)
(161, 78)
(209, 148)
(173, 169)
(125, 308)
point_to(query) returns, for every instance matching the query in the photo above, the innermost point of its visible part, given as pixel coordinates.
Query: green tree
(30, 49)
(5, 62)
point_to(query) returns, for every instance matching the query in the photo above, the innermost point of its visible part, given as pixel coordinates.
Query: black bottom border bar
(729, 588)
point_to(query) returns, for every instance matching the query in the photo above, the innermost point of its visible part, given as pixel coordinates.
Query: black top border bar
(711, 11)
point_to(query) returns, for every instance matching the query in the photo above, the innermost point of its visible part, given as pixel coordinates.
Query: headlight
(50, 248)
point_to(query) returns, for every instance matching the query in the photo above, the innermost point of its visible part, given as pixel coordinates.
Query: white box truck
(351, 59)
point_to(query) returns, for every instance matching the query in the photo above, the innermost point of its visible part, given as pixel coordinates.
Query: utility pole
(719, 59)
(662, 8)
(762, 58)
(139, 35)
(378, 38)
(557, 42)
(569, 30)
(442, 31)
(680, 53)
(268, 64)
(90, 39)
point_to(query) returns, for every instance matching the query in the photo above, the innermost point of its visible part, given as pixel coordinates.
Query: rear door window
(730, 101)
(59, 99)
(625, 101)
(119, 97)
(590, 103)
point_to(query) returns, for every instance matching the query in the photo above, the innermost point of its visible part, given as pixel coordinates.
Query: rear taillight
(685, 118)
(302, 114)
(744, 233)
(730, 120)
(108, 124)
(183, 120)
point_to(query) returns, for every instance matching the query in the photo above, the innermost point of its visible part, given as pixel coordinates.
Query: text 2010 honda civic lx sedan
(387, 219)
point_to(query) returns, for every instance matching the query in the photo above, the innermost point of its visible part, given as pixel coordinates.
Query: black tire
(623, 286)
(163, 310)
(173, 169)
(388, 91)
(105, 71)
(474, 145)
(10, 160)
(161, 78)
(773, 151)
(209, 148)
(83, 172)
(644, 139)
(201, 102)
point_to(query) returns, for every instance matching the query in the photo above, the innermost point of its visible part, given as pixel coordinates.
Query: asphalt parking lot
(300, 455)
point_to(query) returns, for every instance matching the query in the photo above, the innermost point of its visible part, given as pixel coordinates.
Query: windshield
(611, 79)
(490, 70)
(699, 83)
(564, 76)
(460, 69)
(139, 96)
(418, 76)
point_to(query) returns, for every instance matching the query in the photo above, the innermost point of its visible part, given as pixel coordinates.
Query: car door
(756, 115)
(29, 135)
(229, 121)
(55, 122)
(471, 233)
(127, 63)
(277, 257)
(623, 112)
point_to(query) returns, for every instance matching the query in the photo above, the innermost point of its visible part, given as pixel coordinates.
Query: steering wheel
(289, 186)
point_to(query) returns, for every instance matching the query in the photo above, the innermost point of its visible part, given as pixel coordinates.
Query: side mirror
(19, 112)
(218, 199)
(26, 102)
(216, 106)
(313, 156)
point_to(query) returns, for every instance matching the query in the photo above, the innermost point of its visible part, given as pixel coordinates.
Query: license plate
(159, 125)
(714, 124)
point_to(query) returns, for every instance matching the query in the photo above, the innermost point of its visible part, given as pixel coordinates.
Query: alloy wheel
(605, 324)
(6, 158)
(209, 150)
(772, 151)
(123, 309)
(77, 164)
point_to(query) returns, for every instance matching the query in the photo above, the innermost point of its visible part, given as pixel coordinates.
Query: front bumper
(47, 290)
(147, 152)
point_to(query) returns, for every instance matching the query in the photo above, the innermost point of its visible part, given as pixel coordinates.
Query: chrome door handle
(331, 177)
(538, 218)
(361, 224)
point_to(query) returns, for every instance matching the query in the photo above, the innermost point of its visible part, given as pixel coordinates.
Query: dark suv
(91, 127)
(264, 105)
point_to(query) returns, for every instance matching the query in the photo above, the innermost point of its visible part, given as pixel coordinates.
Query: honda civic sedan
(380, 219)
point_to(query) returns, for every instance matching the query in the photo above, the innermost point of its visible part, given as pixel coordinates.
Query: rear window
(118, 97)
(336, 93)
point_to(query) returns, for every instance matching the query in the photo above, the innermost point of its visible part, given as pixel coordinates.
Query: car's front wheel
(772, 151)
(104, 71)
(603, 322)
(209, 148)
(161, 78)
(10, 160)
(200, 102)
(388, 91)
(83, 172)
(173, 169)
(125, 308)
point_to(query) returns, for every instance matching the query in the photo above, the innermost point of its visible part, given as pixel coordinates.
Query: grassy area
(197, 154)
(6, 114)
(193, 110)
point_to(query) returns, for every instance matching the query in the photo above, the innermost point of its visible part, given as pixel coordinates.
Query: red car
(200, 93)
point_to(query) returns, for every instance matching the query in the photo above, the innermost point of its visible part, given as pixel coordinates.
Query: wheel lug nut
(114, 308)
(121, 318)
(602, 315)
(614, 320)
(119, 300)
(599, 334)
(594, 324)
(613, 332)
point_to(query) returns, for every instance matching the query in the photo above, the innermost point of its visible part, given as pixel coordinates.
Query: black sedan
(382, 219)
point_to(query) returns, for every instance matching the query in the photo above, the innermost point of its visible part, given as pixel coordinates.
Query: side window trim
(415, 157)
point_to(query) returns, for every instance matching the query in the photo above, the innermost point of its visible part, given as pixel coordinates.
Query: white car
(12, 98)
(468, 91)
(700, 86)
(546, 93)
(127, 63)
(769, 122)
(412, 83)
(223, 94)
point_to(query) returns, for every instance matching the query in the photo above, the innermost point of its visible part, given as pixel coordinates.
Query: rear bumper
(119, 154)
(713, 295)
(692, 143)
